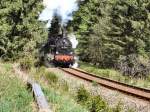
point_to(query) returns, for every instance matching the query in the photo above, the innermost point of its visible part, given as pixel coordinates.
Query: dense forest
(20, 30)
(114, 34)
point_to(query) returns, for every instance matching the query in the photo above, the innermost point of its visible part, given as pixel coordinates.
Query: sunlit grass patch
(116, 75)
(61, 102)
(56, 91)
(14, 96)
(63, 98)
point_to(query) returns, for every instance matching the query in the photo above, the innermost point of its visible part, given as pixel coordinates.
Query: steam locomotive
(57, 51)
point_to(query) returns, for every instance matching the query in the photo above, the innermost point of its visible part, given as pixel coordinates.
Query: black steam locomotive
(57, 51)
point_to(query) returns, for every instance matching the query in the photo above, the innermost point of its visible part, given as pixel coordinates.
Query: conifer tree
(110, 29)
(131, 26)
(55, 25)
(91, 23)
(20, 30)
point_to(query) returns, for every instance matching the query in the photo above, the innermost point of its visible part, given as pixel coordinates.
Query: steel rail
(115, 85)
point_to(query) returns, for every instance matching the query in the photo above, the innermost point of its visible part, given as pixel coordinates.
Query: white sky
(64, 9)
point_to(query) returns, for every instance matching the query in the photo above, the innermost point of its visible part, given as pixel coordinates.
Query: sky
(64, 8)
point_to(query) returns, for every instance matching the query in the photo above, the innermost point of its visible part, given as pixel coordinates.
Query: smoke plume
(64, 8)
(74, 42)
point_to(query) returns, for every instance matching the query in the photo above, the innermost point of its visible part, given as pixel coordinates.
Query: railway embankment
(54, 91)
(14, 96)
(116, 75)
(38, 94)
(113, 98)
(66, 93)
(70, 97)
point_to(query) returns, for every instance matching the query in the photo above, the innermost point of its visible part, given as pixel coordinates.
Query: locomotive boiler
(57, 51)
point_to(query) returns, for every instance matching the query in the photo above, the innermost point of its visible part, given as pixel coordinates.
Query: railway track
(115, 85)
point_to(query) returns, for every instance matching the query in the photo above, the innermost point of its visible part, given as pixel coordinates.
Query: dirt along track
(128, 89)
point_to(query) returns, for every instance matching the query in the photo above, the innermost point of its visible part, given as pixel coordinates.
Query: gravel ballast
(112, 97)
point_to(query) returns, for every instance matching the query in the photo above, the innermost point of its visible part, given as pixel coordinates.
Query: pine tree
(20, 30)
(55, 25)
(130, 31)
(130, 26)
(91, 22)
(109, 29)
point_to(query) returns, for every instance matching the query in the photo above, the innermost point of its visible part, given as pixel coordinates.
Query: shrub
(82, 94)
(134, 65)
(26, 63)
(51, 77)
(97, 104)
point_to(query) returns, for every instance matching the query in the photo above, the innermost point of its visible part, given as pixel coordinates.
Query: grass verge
(14, 96)
(115, 75)
(63, 99)
(56, 92)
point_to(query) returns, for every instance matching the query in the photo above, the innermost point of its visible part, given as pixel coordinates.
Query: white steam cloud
(64, 8)
(75, 65)
(73, 40)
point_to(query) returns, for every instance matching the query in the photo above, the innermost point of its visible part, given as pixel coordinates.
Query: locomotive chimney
(64, 32)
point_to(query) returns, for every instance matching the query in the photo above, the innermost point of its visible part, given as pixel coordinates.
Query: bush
(51, 77)
(134, 65)
(26, 63)
(93, 103)
(97, 104)
(82, 94)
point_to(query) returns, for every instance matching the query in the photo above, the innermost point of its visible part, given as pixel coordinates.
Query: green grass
(115, 75)
(56, 91)
(61, 102)
(64, 100)
(14, 96)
